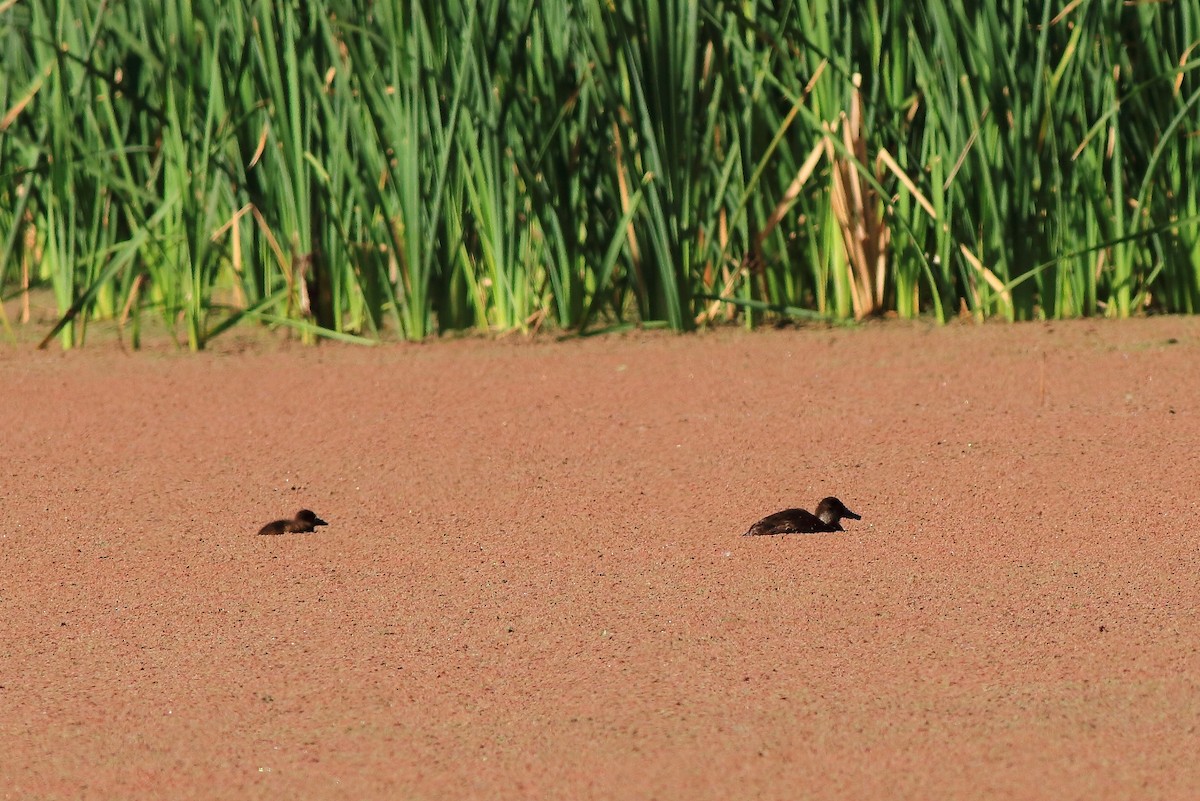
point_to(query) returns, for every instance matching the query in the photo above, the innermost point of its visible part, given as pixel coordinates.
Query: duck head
(309, 517)
(831, 510)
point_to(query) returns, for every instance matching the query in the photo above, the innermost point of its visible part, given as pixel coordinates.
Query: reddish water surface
(533, 585)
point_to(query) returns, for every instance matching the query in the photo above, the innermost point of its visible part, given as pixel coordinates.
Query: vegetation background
(402, 167)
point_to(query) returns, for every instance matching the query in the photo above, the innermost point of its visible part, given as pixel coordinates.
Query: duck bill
(852, 515)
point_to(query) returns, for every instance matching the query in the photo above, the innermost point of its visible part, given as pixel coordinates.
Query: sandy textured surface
(533, 584)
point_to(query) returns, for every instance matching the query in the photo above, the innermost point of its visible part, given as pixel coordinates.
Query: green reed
(402, 168)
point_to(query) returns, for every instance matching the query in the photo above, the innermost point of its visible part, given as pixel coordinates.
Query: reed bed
(400, 168)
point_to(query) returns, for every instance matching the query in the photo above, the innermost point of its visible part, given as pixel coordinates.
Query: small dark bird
(302, 523)
(797, 521)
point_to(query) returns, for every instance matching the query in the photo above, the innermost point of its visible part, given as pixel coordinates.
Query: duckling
(829, 513)
(304, 521)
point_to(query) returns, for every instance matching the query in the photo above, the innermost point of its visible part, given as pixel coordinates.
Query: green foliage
(353, 169)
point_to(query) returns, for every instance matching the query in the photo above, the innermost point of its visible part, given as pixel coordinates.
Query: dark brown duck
(828, 517)
(302, 523)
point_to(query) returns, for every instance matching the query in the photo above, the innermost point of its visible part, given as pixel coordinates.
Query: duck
(827, 517)
(304, 521)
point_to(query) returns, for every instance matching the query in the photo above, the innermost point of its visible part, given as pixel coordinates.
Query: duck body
(304, 522)
(827, 518)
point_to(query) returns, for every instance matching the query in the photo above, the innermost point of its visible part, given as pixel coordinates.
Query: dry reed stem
(993, 281)
(23, 101)
(130, 303)
(27, 255)
(903, 178)
(859, 213)
(635, 255)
